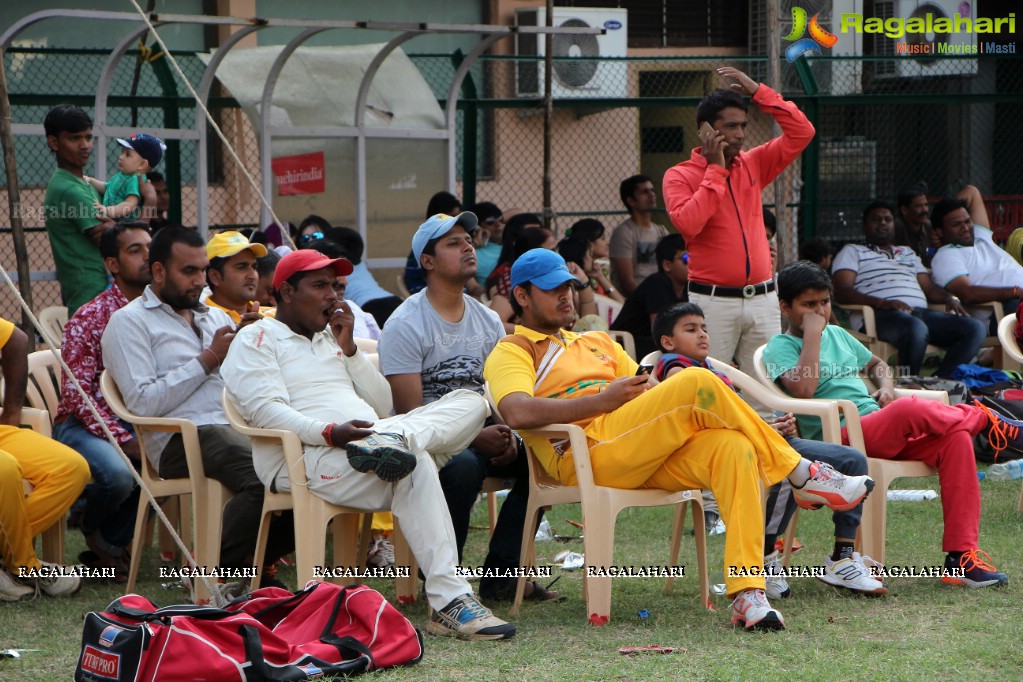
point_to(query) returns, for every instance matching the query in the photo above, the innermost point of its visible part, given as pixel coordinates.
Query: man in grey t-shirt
(634, 240)
(436, 342)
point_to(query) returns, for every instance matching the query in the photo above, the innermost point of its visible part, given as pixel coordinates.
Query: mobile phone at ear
(644, 369)
(706, 127)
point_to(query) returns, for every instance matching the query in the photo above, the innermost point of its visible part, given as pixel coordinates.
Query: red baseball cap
(305, 260)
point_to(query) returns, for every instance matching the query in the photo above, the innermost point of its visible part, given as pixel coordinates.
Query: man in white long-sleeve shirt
(303, 372)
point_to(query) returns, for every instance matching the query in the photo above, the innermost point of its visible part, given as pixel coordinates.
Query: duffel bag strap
(309, 668)
(165, 613)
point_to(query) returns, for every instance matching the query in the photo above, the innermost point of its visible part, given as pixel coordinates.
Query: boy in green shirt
(72, 223)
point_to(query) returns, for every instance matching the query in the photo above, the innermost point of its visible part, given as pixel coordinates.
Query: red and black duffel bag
(270, 634)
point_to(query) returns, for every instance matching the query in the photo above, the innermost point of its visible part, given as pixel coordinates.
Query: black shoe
(385, 454)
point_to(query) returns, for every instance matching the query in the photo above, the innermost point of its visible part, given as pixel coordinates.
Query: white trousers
(445, 427)
(738, 326)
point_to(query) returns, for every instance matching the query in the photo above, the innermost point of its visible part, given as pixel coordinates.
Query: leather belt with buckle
(748, 291)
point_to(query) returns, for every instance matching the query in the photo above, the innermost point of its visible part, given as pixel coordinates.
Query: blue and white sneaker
(466, 618)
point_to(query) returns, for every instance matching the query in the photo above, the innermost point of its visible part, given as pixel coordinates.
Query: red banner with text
(301, 174)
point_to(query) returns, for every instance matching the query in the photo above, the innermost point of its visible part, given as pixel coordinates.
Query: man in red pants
(813, 359)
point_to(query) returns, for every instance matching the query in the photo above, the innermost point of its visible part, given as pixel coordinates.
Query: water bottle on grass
(1005, 471)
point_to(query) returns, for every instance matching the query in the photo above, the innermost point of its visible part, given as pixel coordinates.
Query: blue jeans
(961, 337)
(112, 499)
(781, 506)
(461, 479)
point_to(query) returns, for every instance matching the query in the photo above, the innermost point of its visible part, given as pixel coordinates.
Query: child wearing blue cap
(122, 194)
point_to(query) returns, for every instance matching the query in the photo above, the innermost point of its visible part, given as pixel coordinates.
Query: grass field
(922, 631)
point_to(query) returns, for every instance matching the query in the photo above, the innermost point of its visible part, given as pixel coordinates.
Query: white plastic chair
(600, 508)
(874, 526)
(1007, 337)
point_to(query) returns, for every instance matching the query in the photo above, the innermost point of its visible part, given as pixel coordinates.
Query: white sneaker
(776, 586)
(828, 487)
(380, 554)
(54, 583)
(11, 589)
(851, 574)
(872, 565)
(751, 609)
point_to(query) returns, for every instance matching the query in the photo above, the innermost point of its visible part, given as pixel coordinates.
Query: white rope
(215, 596)
(209, 117)
(54, 345)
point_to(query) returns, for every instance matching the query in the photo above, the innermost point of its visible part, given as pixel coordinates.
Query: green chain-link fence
(39, 78)
(883, 123)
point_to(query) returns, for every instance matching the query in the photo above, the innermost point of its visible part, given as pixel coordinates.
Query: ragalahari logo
(819, 36)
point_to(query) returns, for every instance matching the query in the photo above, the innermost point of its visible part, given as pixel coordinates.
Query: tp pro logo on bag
(110, 650)
(101, 664)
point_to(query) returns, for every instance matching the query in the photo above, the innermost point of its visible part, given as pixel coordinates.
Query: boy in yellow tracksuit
(689, 432)
(57, 473)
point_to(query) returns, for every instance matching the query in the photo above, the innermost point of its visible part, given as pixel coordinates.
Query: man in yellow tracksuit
(57, 473)
(689, 432)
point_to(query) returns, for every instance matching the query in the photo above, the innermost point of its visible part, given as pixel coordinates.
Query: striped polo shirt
(883, 275)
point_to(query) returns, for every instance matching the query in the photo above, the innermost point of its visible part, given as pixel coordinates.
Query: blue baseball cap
(149, 148)
(438, 226)
(544, 268)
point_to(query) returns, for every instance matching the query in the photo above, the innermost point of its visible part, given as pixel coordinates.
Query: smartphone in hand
(644, 369)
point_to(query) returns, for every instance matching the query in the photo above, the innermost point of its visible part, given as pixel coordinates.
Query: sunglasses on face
(306, 238)
(493, 221)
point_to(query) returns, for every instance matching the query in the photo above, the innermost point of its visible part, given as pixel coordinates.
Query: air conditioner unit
(935, 61)
(588, 74)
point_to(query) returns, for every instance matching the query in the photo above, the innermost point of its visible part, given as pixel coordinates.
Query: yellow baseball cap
(1015, 245)
(227, 244)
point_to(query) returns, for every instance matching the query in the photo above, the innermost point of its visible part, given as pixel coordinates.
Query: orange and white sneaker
(977, 571)
(826, 487)
(751, 609)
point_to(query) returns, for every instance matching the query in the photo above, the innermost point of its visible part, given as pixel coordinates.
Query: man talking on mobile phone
(714, 200)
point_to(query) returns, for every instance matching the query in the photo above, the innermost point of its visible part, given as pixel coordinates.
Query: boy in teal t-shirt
(122, 195)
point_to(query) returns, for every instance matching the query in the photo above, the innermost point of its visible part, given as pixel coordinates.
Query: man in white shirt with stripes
(892, 280)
